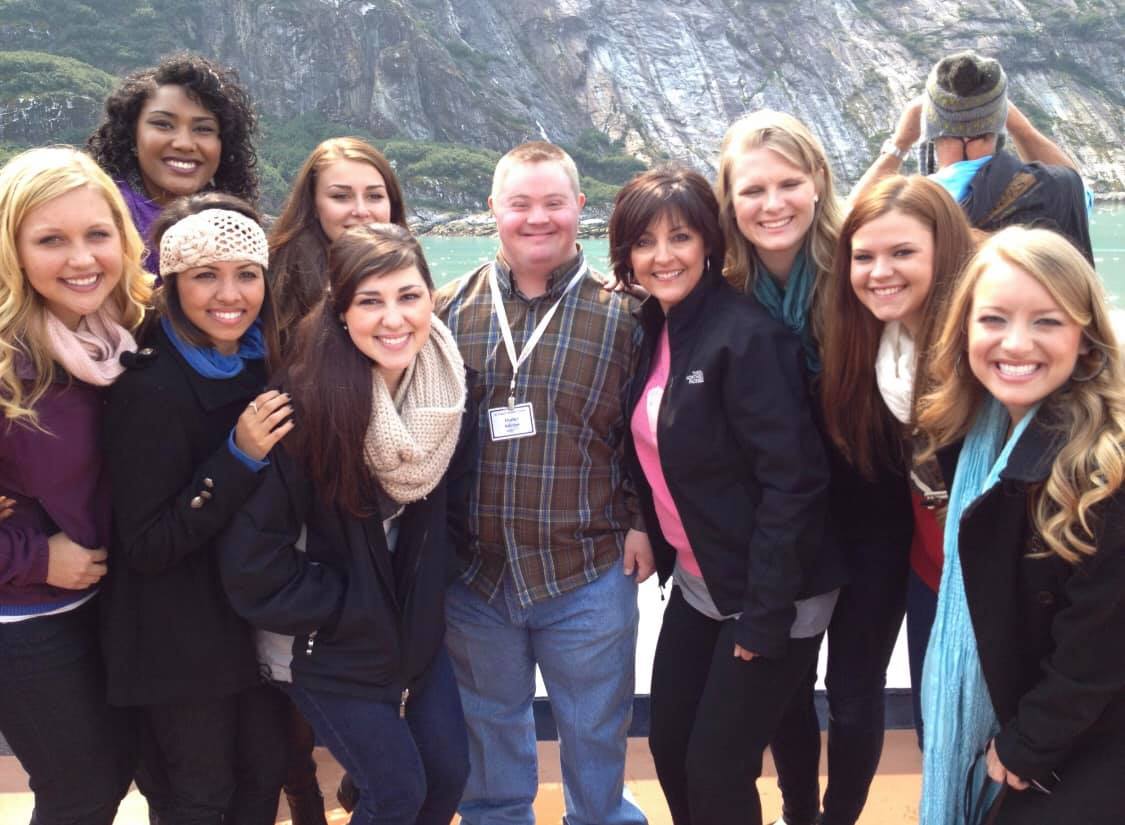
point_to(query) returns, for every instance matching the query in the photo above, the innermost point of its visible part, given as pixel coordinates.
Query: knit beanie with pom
(966, 96)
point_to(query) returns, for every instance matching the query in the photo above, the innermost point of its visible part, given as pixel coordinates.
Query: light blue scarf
(791, 306)
(209, 362)
(956, 177)
(956, 706)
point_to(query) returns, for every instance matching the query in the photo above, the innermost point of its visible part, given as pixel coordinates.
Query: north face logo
(695, 377)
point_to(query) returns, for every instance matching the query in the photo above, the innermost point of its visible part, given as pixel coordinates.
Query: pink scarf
(92, 352)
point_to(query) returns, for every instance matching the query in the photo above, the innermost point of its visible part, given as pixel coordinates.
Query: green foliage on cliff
(108, 34)
(30, 74)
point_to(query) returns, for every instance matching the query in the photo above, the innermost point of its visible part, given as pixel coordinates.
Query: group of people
(281, 489)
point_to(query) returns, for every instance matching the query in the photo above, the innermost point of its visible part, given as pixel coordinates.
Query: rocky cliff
(664, 77)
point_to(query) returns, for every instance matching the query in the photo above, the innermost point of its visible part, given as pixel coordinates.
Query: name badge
(506, 423)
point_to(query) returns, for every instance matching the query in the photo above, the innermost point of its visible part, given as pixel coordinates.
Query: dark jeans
(713, 715)
(78, 752)
(215, 761)
(861, 639)
(921, 605)
(409, 771)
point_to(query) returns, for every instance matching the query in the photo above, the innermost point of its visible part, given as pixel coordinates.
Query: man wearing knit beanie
(962, 118)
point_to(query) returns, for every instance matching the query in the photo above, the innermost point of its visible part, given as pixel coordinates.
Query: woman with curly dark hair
(174, 129)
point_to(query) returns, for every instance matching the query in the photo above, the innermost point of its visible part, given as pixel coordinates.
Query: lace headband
(211, 236)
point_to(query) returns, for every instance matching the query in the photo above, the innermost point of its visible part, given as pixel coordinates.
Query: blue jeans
(585, 644)
(77, 750)
(409, 771)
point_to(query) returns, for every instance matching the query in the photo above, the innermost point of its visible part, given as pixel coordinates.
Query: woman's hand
(7, 507)
(999, 774)
(72, 566)
(263, 423)
(638, 555)
(742, 653)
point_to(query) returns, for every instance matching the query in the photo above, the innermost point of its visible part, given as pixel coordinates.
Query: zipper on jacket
(402, 703)
(309, 644)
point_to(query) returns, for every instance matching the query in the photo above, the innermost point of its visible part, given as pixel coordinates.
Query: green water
(450, 257)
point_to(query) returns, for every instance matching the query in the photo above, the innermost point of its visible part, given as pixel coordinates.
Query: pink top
(644, 438)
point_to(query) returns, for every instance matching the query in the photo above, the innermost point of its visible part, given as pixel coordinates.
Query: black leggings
(861, 639)
(713, 715)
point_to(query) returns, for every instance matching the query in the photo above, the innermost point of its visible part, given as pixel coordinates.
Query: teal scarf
(956, 706)
(791, 305)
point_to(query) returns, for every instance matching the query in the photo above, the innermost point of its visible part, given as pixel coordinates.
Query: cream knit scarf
(92, 352)
(411, 437)
(894, 370)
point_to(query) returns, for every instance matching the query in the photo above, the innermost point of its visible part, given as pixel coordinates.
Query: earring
(815, 199)
(1102, 363)
(706, 264)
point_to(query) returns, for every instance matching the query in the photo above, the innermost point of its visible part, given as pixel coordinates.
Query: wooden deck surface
(893, 799)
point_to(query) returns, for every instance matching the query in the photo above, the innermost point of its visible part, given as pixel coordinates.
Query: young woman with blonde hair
(781, 219)
(1024, 680)
(71, 292)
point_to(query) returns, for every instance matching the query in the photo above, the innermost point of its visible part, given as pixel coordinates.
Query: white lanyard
(537, 333)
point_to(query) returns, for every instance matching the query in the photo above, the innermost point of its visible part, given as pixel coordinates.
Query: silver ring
(254, 407)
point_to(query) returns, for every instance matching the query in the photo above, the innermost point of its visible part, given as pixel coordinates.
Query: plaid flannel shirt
(552, 507)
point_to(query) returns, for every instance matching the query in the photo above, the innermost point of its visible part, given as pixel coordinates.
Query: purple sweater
(144, 212)
(57, 481)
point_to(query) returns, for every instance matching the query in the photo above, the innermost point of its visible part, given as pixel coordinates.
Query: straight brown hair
(855, 415)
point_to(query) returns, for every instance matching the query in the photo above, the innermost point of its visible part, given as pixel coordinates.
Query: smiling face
(892, 267)
(222, 299)
(349, 193)
(70, 251)
(536, 212)
(389, 320)
(667, 260)
(1022, 345)
(178, 144)
(774, 204)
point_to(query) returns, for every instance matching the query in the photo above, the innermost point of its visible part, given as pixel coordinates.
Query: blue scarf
(791, 306)
(209, 362)
(956, 706)
(956, 177)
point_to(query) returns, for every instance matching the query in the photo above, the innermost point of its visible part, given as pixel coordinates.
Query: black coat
(742, 458)
(365, 621)
(1051, 635)
(168, 630)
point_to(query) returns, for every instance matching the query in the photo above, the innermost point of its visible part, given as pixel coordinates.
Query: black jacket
(1050, 634)
(365, 621)
(169, 632)
(1006, 192)
(742, 457)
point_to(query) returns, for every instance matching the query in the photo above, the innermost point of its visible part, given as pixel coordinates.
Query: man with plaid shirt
(552, 571)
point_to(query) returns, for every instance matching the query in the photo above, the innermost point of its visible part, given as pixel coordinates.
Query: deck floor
(893, 799)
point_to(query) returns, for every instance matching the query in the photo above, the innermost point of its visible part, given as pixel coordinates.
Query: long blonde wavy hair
(1088, 411)
(792, 140)
(28, 181)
